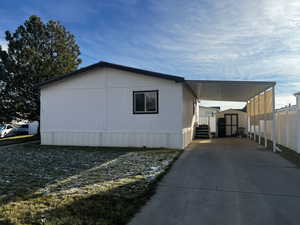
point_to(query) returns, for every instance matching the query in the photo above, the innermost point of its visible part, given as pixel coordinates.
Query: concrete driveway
(226, 182)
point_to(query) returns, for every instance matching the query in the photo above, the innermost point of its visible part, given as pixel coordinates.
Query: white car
(7, 130)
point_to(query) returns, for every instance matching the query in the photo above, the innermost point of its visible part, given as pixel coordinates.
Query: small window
(145, 102)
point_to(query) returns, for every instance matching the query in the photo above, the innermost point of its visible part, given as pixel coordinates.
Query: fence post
(258, 117)
(254, 118)
(287, 128)
(298, 121)
(273, 120)
(265, 120)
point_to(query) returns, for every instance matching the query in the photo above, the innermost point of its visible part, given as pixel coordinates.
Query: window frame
(145, 112)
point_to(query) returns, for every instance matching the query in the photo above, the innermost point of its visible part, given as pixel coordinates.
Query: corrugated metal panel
(120, 139)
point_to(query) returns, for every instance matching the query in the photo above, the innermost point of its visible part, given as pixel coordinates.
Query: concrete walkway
(226, 182)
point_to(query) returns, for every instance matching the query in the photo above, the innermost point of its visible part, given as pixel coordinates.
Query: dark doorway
(221, 127)
(231, 124)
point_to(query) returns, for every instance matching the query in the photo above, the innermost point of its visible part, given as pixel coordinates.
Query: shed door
(231, 124)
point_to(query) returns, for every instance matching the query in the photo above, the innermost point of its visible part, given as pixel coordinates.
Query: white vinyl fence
(286, 129)
(287, 126)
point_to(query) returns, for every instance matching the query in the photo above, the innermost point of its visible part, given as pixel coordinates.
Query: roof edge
(272, 83)
(296, 94)
(103, 64)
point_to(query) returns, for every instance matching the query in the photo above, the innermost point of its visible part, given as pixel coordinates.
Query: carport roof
(240, 91)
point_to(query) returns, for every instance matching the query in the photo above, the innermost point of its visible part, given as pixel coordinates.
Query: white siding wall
(189, 119)
(95, 109)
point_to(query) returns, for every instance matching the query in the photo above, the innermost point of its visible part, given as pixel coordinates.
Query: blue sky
(201, 39)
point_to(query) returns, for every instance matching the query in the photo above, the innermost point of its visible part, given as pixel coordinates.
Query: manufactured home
(107, 104)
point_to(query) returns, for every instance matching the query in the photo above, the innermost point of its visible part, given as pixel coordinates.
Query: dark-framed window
(145, 102)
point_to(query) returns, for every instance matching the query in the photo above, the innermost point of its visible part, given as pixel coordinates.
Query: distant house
(107, 104)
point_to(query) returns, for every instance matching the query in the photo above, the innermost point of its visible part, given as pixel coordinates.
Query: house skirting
(172, 140)
(187, 136)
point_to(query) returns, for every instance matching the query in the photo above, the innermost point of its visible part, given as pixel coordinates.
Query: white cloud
(227, 31)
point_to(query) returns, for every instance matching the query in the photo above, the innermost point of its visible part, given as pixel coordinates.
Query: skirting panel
(187, 136)
(113, 139)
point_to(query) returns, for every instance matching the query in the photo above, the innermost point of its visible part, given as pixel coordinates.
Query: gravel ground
(50, 185)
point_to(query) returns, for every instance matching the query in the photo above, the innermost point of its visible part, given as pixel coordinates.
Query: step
(201, 130)
(201, 137)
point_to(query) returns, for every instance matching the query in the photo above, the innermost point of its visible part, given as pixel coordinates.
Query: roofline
(298, 93)
(103, 64)
(238, 82)
(190, 89)
(209, 107)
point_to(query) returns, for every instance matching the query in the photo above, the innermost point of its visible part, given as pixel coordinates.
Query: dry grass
(62, 186)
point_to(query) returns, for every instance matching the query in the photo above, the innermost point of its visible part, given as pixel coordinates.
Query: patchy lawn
(51, 185)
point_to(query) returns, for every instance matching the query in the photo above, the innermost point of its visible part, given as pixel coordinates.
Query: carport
(259, 96)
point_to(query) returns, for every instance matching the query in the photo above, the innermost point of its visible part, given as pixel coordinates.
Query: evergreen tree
(36, 52)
